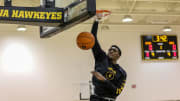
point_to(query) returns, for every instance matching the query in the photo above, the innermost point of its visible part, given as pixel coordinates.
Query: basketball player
(108, 78)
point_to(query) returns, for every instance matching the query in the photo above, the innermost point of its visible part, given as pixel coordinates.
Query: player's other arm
(97, 51)
(116, 90)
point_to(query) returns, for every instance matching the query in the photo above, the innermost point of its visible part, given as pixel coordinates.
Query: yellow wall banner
(31, 15)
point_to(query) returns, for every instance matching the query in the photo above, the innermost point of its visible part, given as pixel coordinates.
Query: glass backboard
(75, 12)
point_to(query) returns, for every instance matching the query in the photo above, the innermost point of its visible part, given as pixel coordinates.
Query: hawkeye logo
(110, 74)
(24, 14)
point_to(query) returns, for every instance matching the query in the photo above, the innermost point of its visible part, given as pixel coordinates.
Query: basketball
(85, 40)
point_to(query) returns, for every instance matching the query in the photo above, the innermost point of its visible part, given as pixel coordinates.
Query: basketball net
(102, 15)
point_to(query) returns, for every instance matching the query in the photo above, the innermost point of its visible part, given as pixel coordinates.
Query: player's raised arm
(97, 51)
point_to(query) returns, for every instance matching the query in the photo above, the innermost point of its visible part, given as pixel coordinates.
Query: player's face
(113, 53)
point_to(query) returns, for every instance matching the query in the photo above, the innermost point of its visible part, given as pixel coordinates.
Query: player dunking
(108, 78)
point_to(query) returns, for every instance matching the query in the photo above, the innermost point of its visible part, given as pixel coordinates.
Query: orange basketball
(85, 40)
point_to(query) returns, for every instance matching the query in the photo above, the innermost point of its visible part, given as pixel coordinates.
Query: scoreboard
(159, 47)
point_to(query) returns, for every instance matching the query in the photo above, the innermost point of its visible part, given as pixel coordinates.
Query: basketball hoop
(102, 15)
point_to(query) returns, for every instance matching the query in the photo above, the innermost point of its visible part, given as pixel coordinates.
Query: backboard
(75, 12)
(86, 89)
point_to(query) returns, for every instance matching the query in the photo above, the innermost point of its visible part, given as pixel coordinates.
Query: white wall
(155, 80)
(57, 66)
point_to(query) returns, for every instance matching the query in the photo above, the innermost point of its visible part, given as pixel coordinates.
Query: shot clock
(159, 47)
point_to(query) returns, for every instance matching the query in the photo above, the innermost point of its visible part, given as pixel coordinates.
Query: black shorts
(96, 98)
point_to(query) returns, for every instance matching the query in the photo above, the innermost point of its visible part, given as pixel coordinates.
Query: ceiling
(144, 12)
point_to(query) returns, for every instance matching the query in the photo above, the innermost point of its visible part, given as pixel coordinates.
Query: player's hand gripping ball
(85, 40)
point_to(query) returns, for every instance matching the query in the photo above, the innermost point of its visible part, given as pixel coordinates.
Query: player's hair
(119, 50)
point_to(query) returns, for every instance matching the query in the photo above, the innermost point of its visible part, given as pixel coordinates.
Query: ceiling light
(21, 28)
(127, 18)
(167, 29)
